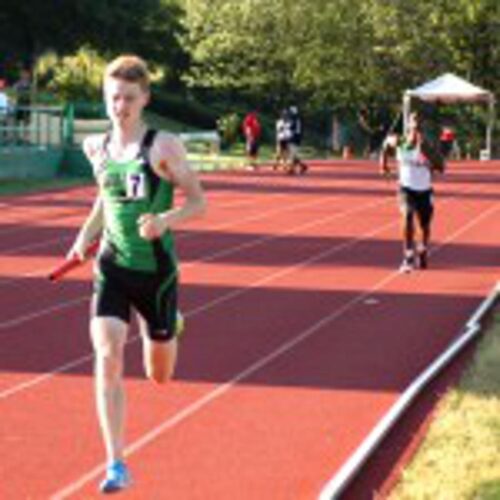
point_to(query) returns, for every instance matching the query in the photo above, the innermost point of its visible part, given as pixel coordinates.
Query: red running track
(300, 334)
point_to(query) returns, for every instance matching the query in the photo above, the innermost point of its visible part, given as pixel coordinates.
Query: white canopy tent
(450, 89)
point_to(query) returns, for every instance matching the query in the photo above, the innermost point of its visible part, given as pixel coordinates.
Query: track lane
(249, 304)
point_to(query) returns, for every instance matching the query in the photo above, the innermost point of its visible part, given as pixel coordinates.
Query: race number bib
(136, 186)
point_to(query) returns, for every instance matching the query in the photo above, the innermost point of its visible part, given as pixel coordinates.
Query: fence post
(69, 124)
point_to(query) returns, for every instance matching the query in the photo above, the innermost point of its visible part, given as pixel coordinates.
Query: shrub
(76, 77)
(228, 126)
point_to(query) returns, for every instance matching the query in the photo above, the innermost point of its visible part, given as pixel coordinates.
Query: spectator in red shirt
(252, 131)
(446, 141)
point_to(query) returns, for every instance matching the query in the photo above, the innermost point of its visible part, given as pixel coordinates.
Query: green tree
(283, 49)
(473, 28)
(342, 52)
(150, 28)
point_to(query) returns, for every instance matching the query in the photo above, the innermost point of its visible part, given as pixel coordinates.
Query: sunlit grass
(460, 457)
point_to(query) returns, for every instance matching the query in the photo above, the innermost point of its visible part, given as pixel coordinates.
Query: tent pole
(406, 112)
(491, 122)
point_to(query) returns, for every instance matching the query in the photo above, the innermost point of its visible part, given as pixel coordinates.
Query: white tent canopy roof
(450, 88)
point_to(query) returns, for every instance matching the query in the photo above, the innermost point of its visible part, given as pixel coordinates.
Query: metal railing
(34, 127)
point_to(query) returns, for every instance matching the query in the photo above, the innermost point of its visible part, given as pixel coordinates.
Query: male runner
(136, 170)
(417, 160)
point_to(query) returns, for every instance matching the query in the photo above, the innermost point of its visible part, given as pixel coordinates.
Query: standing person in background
(366, 130)
(373, 131)
(376, 141)
(283, 138)
(4, 99)
(136, 170)
(4, 110)
(23, 93)
(417, 160)
(252, 131)
(297, 131)
(446, 141)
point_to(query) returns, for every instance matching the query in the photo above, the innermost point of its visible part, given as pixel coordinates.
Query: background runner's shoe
(117, 478)
(422, 259)
(407, 265)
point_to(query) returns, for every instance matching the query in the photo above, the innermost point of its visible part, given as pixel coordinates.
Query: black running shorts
(117, 290)
(417, 202)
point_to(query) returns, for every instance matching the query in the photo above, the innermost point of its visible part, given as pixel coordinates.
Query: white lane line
(208, 398)
(81, 212)
(19, 320)
(42, 272)
(241, 291)
(237, 248)
(219, 300)
(219, 198)
(221, 389)
(252, 243)
(352, 466)
(259, 216)
(19, 215)
(263, 215)
(27, 384)
(36, 222)
(31, 246)
(227, 251)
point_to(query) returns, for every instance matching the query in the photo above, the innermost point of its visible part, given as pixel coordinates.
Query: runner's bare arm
(92, 227)
(168, 158)
(89, 232)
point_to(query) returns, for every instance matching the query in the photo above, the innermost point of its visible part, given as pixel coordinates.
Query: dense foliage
(324, 54)
(343, 51)
(30, 28)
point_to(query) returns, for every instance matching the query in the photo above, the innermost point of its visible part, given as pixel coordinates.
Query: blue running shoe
(117, 478)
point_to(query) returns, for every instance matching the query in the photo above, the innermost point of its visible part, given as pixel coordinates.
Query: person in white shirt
(4, 109)
(283, 138)
(417, 160)
(4, 100)
(295, 141)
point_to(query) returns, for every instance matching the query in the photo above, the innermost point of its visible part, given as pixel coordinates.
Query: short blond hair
(129, 68)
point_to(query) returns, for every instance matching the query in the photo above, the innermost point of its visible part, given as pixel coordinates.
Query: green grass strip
(459, 458)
